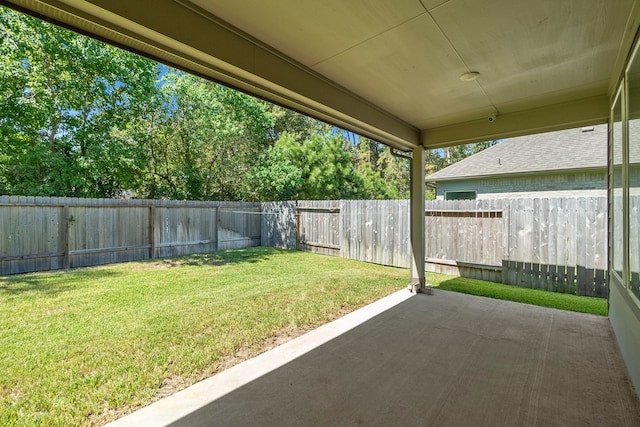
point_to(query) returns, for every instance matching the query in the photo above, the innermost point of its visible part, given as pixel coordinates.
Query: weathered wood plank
(601, 244)
(561, 246)
(551, 237)
(527, 247)
(520, 242)
(506, 228)
(545, 273)
(98, 231)
(572, 244)
(590, 245)
(634, 244)
(581, 251)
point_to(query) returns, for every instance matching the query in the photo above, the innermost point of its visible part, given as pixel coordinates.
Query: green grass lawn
(85, 346)
(561, 301)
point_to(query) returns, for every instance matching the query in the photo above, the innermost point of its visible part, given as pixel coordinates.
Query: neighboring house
(554, 164)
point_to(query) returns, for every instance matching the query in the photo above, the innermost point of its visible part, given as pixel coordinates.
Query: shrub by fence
(41, 233)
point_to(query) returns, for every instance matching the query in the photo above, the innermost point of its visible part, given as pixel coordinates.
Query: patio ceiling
(387, 69)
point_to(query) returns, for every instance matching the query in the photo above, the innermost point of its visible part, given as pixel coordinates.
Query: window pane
(633, 81)
(616, 196)
(460, 195)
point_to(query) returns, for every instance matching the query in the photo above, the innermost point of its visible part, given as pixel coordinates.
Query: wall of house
(624, 220)
(624, 315)
(551, 185)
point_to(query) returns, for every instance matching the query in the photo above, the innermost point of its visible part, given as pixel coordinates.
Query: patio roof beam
(584, 112)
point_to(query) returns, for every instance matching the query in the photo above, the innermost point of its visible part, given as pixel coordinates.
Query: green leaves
(201, 140)
(65, 97)
(276, 177)
(322, 164)
(83, 119)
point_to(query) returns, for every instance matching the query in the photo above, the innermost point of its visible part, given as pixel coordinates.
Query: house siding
(549, 185)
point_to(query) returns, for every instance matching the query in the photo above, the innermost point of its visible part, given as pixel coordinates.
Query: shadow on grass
(542, 298)
(477, 287)
(50, 283)
(220, 258)
(55, 282)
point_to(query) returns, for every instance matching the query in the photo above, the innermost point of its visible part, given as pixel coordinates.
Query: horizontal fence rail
(49, 233)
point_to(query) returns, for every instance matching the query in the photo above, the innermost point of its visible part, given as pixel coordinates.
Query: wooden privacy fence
(41, 233)
(464, 237)
(375, 231)
(556, 244)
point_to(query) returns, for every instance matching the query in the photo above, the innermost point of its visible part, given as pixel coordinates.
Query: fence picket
(590, 243)
(581, 251)
(572, 243)
(600, 244)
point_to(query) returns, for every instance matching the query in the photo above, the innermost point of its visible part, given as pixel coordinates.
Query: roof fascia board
(583, 112)
(519, 174)
(157, 29)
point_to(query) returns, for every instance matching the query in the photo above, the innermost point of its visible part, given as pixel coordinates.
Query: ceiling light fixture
(470, 76)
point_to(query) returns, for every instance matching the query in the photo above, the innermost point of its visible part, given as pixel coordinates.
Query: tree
(276, 177)
(395, 171)
(295, 124)
(385, 176)
(202, 140)
(320, 167)
(63, 116)
(81, 118)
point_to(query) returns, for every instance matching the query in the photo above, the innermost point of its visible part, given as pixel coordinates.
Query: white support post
(417, 281)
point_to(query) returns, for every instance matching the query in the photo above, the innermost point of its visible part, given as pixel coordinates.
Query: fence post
(218, 220)
(506, 226)
(297, 227)
(152, 222)
(65, 236)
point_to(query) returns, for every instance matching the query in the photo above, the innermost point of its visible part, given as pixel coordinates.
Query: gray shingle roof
(551, 151)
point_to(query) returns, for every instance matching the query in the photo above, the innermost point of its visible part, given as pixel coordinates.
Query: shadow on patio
(448, 360)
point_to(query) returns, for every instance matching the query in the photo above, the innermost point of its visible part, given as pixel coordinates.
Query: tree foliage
(81, 118)
(65, 101)
(200, 139)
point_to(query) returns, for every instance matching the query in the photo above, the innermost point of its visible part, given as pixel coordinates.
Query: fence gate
(318, 227)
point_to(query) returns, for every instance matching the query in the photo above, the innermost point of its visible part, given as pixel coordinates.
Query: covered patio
(447, 359)
(417, 75)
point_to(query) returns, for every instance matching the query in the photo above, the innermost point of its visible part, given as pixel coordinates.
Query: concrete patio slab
(444, 360)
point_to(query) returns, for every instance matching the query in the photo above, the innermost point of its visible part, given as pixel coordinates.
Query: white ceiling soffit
(388, 69)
